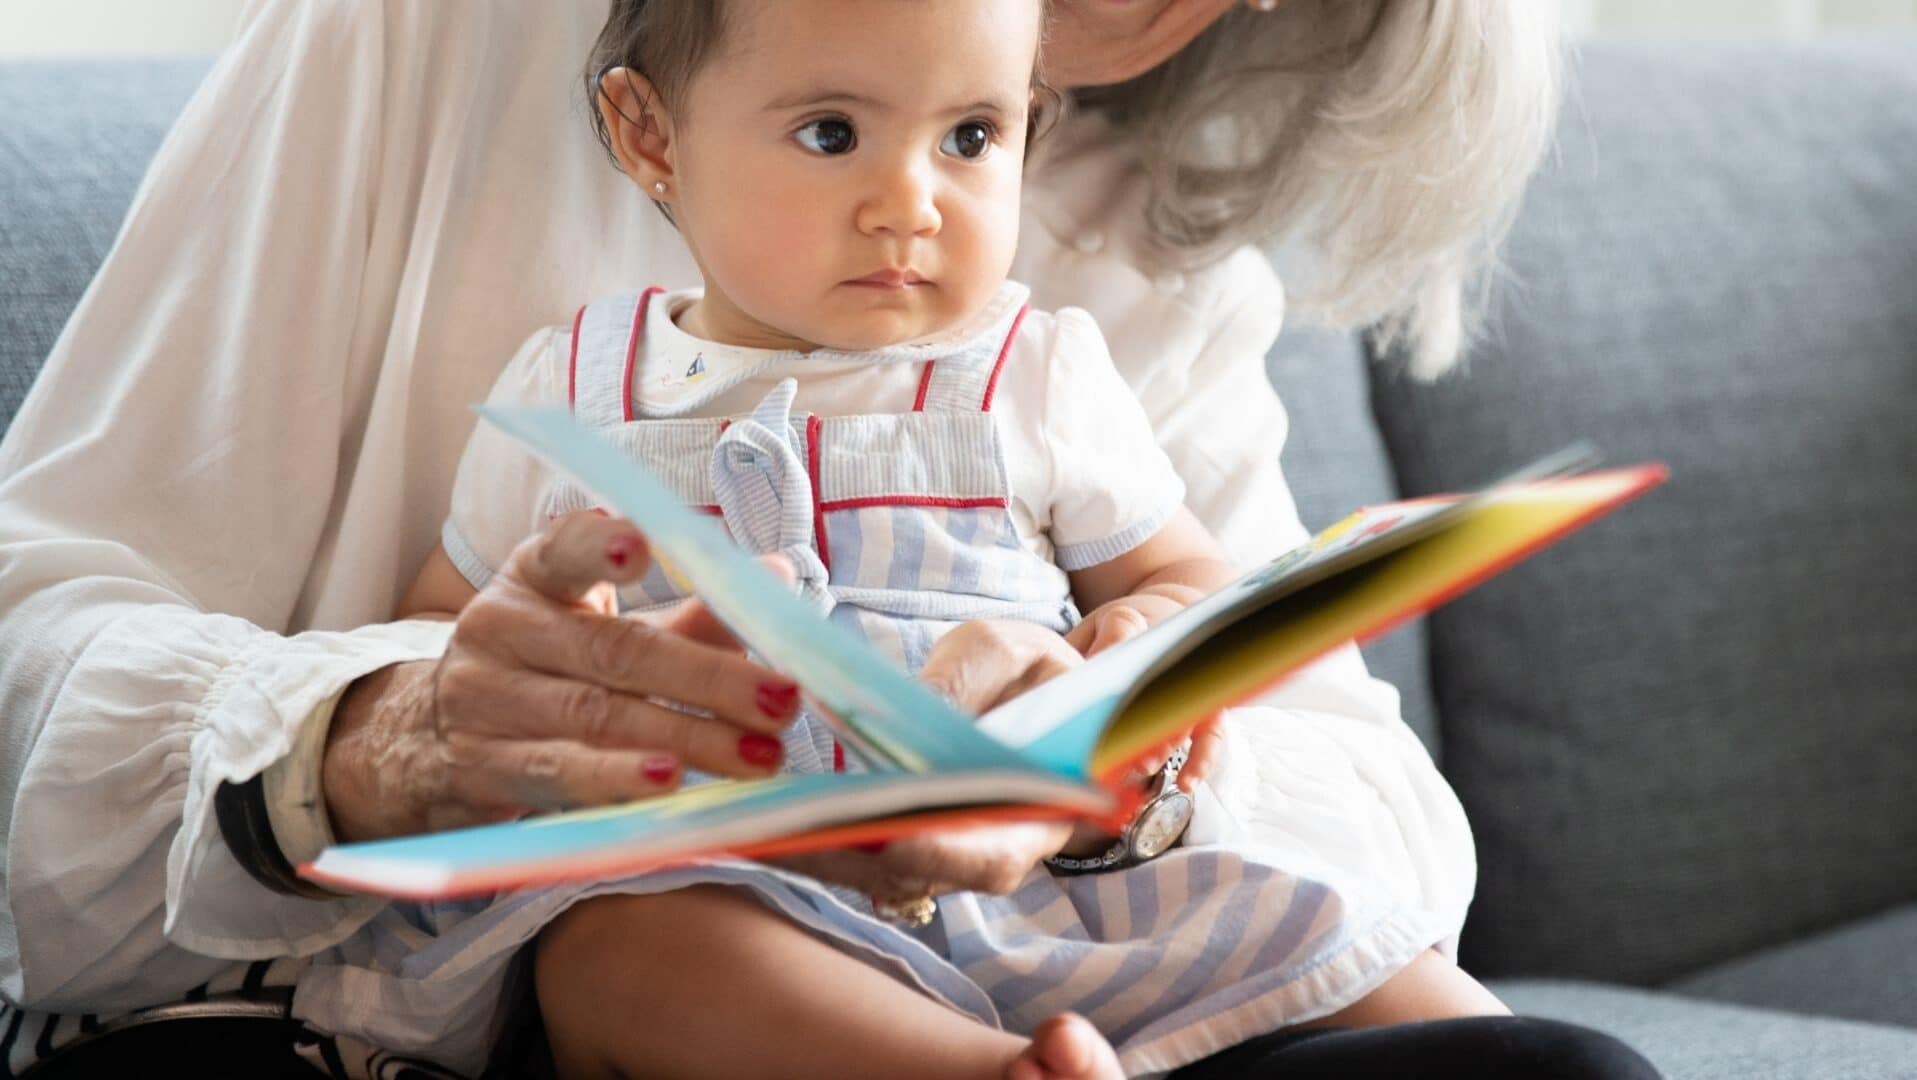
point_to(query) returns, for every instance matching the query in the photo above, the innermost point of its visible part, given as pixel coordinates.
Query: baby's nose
(904, 202)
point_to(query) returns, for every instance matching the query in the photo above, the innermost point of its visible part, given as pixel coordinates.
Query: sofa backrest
(76, 140)
(1692, 730)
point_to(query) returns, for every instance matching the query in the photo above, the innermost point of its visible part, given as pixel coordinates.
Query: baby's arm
(440, 590)
(1163, 575)
(498, 491)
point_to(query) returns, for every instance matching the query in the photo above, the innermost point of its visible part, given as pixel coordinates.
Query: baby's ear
(639, 129)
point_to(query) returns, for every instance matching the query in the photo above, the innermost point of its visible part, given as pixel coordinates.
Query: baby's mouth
(890, 279)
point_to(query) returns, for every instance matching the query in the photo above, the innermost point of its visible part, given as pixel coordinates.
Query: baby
(857, 387)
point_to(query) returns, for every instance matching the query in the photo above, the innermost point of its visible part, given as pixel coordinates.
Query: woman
(345, 229)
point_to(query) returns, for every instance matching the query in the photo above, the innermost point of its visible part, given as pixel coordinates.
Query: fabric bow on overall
(765, 494)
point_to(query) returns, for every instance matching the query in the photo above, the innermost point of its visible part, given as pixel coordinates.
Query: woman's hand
(977, 665)
(547, 699)
(1119, 620)
(982, 664)
(979, 858)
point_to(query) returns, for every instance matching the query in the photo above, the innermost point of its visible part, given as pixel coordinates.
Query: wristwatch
(1157, 826)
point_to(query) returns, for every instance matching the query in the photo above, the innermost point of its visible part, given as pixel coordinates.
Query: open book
(1056, 750)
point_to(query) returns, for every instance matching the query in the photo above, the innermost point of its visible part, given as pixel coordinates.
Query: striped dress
(899, 527)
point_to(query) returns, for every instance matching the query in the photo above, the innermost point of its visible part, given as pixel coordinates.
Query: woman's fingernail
(778, 699)
(756, 749)
(621, 549)
(871, 847)
(660, 770)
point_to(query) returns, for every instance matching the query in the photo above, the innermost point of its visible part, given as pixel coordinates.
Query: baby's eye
(832, 135)
(969, 140)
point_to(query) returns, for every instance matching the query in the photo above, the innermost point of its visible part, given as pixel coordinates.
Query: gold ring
(916, 913)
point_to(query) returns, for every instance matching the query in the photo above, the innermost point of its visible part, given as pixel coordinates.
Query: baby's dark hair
(668, 41)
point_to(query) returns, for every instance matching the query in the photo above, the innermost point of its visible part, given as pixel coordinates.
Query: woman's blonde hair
(1393, 138)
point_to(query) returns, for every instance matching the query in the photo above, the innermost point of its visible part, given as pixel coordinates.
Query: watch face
(1160, 824)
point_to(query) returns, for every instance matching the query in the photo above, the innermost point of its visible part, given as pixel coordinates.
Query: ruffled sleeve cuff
(214, 905)
(120, 885)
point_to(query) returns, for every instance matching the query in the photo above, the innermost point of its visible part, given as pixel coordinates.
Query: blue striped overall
(898, 524)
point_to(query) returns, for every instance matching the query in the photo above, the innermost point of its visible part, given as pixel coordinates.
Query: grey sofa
(1687, 738)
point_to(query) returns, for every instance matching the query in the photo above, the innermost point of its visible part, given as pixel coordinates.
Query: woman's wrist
(295, 806)
(369, 728)
(278, 819)
(323, 789)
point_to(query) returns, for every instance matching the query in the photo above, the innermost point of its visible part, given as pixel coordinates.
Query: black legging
(1481, 1047)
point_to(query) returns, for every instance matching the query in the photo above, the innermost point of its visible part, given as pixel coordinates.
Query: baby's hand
(1116, 620)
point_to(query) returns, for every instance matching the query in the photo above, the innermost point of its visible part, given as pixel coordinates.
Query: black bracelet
(248, 831)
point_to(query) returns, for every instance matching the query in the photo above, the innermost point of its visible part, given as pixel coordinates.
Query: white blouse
(243, 445)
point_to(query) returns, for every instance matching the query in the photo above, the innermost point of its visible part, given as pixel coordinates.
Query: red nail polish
(621, 549)
(756, 749)
(778, 699)
(660, 770)
(871, 847)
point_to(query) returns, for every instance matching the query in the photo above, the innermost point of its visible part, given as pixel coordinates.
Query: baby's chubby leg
(1431, 987)
(707, 981)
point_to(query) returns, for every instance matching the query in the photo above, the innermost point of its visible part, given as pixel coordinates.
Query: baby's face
(848, 170)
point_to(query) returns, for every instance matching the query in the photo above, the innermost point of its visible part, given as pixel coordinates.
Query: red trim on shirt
(838, 756)
(572, 362)
(925, 383)
(633, 338)
(912, 500)
(714, 509)
(1004, 350)
(818, 508)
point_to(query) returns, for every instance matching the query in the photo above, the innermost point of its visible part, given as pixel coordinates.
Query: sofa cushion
(1866, 970)
(1687, 732)
(1335, 462)
(76, 142)
(1698, 1040)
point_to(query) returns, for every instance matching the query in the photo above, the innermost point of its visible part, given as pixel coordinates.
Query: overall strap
(965, 381)
(606, 335)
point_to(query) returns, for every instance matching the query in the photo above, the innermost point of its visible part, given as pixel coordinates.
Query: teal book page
(892, 719)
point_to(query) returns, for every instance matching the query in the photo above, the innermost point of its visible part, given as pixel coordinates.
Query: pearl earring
(1262, 5)
(658, 187)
